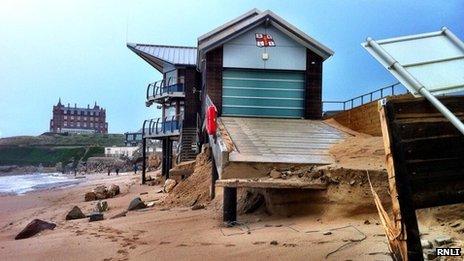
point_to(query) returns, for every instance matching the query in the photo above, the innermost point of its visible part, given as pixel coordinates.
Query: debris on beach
(95, 216)
(101, 206)
(169, 185)
(136, 203)
(113, 190)
(102, 192)
(34, 227)
(75, 213)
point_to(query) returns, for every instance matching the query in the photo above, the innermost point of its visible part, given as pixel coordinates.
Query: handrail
(160, 87)
(370, 96)
(159, 125)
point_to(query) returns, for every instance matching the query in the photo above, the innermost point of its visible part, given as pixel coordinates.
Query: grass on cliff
(47, 156)
(49, 149)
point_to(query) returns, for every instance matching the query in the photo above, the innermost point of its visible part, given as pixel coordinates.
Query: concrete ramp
(269, 140)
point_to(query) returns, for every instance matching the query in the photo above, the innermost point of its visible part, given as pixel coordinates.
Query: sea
(21, 184)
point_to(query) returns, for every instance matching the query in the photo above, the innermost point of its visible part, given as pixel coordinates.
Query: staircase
(188, 144)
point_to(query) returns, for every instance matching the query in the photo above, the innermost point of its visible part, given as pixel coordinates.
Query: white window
(85, 124)
(65, 117)
(65, 123)
(78, 124)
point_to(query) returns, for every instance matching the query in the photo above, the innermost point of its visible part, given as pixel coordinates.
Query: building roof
(158, 55)
(251, 20)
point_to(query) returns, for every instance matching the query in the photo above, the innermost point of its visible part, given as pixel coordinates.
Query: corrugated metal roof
(434, 60)
(157, 54)
(254, 18)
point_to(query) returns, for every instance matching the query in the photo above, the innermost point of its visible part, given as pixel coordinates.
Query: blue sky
(77, 50)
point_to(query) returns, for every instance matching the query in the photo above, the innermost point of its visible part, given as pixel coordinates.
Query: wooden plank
(432, 147)
(403, 188)
(271, 183)
(397, 220)
(421, 106)
(423, 129)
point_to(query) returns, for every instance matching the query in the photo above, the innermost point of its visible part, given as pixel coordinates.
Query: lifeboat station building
(263, 77)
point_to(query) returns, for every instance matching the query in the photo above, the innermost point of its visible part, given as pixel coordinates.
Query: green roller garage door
(267, 93)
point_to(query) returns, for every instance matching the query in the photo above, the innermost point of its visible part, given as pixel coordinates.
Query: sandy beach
(180, 233)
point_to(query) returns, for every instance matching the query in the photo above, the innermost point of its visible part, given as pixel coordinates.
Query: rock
(327, 233)
(34, 227)
(135, 204)
(274, 243)
(95, 216)
(143, 193)
(101, 192)
(90, 196)
(75, 213)
(169, 185)
(122, 214)
(159, 191)
(367, 222)
(352, 182)
(113, 190)
(430, 254)
(150, 204)
(275, 174)
(426, 244)
(456, 224)
(197, 207)
(101, 206)
(443, 240)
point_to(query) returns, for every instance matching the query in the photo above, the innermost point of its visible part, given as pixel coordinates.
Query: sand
(176, 233)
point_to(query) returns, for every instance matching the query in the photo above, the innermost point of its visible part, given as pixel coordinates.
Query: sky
(77, 50)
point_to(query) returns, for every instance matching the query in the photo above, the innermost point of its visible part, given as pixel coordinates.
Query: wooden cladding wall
(213, 74)
(313, 73)
(364, 119)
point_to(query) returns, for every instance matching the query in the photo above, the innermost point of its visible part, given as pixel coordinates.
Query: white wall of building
(242, 51)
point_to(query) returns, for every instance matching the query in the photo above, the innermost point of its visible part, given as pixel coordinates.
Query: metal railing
(165, 86)
(378, 94)
(162, 126)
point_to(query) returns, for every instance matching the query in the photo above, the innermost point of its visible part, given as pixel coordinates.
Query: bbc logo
(448, 251)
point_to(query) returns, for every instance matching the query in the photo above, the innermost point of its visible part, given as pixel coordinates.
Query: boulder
(136, 203)
(113, 190)
(169, 185)
(90, 196)
(275, 174)
(95, 216)
(426, 244)
(34, 227)
(101, 206)
(443, 240)
(75, 213)
(101, 192)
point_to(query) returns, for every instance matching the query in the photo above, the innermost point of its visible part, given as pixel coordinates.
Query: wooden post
(214, 177)
(144, 161)
(164, 157)
(404, 212)
(230, 205)
(169, 157)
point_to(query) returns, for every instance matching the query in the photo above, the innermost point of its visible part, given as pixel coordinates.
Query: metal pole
(144, 162)
(416, 85)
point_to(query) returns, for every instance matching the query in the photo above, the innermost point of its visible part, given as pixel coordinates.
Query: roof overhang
(177, 55)
(158, 64)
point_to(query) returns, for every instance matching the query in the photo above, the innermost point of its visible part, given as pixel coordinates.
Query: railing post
(144, 156)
